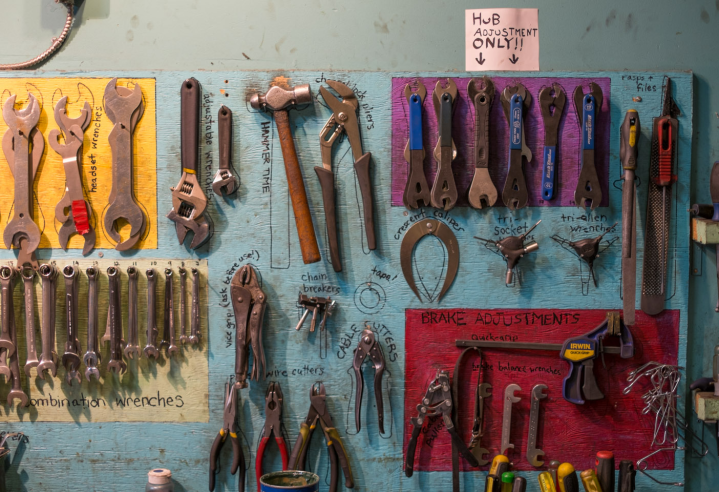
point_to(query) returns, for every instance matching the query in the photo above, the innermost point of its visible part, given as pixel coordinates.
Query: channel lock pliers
(229, 427)
(335, 447)
(273, 424)
(343, 119)
(368, 345)
(249, 303)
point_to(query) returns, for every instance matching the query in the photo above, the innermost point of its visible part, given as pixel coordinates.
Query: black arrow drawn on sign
(514, 59)
(480, 60)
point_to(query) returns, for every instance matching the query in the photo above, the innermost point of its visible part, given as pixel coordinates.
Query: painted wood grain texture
(96, 165)
(256, 227)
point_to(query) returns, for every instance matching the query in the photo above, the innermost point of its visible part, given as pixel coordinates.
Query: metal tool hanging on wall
(226, 181)
(368, 346)
(319, 307)
(482, 191)
(662, 165)
(416, 191)
(551, 102)
(516, 101)
(588, 107)
(628, 151)
(249, 303)
(710, 212)
(512, 249)
(444, 189)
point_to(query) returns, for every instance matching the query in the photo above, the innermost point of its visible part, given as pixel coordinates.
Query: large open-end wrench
(92, 356)
(133, 346)
(225, 181)
(168, 328)
(483, 391)
(533, 454)
(509, 400)
(7, 275)
(116, 363)
(48, 358)
(183, 306)
(482, 192)
(122, 204)
(195, 333)
(588, 107)
(516, 101)
(71, 357)
(150, 349)
(16, 392)
(28, 278)
(416, 191)
(444, 189)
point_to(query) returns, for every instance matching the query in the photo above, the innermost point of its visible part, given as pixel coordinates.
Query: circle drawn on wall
(370, 297)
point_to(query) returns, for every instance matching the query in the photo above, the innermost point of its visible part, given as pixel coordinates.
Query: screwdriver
(605, 470)
(590, 481)
(507, 479)
(553, 465)
(626, 476)
(519, 485)
(546, 483)
(500, 464)
(567, 478)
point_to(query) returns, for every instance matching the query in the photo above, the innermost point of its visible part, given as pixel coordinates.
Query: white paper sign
(502, 39)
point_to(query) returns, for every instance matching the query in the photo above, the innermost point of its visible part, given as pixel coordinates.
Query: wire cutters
(273, 424)
(368, 345)
(335, 447)
(249, 303)
(229, 427)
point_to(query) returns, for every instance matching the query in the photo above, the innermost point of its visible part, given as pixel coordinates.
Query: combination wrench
(183, 306)
(551, 102)
(92, 357)
(7, 275)
(482, 191)
(116, 364)
(483, 391)
(516, 101)
(195, 333)
(533, 454)
(509, 400)
(150, 349)
(48, 358)
(168, 331)
(444, 189)
(71, 357)
(588, 107)
(416, 191)
(28, 278)
(225, 181)
(132, 347)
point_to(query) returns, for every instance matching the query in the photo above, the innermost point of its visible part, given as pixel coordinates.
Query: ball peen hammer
(280, 100)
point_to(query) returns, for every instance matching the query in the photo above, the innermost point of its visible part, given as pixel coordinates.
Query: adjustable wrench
(132, 346)
(444, 189)
(150, 349)
(225, 181)
(92, 356)
(28, 277)
(588, 107)
(183, 305)
(483, 391)
(509, 399)
(124, 108)
(116, 364)
(552, 107)
(48, 358)
(16, 393)
(169, 318)
(23, 146)
(416, 190)
(481, 93)
(195, 333)
(533, 453)
(516, 101)
(71, 357)
(7, 275)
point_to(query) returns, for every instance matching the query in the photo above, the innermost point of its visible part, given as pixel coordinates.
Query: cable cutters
(273, 424)
(368, 345)
(229, 428)
(248, 303)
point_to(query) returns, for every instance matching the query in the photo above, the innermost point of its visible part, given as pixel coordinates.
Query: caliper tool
(319, 413)
(23, 146)
(249, 303)
(413, 235)
(73, 211)
(551, 101)
(71, 358)
(587, 249)
(444, 189)
(437, 401)
(273, 425)
(516, 101)
(226, 181)
(588, 107)
(48, 358)
(512, 248)
(369, 346)
(229, 428)
(188, 200)
(628, 150)
(416, 191)
(482, 192)
(343, 119)
(661, 173)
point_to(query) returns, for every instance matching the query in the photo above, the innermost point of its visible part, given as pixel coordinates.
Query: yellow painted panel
(96, 166)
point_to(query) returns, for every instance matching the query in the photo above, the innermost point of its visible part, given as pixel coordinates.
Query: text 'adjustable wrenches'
(230, 429)
(73, 211)
(124, 107)
(48, 358)
(551, 102)
(92, 357)
(444, 189)
(114, 317)
(509, 401)
(317, 305)
(249, 303)
(71, 358)
(628, 151)
(183, 305)
(168, 331)
(588, 107)
(195, 333)
(28, 277)
(533, 453)
(7, 278)
(661, 173)
(150, 349)
(23, 146)
(273, 425)
(226, 179)
(416, 191)
(512, 248)
(516, 101)
(188, 199)
(133, 344)
(482, 191)
(369, 346)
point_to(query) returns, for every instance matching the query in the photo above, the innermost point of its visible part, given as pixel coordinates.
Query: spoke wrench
(71, 357)
(226, 181)
(48, 359)
(482, 192)
(444, 189)
(516, 101)
(416, 191)
(588, 107)
(551, 102)
(132, 348)
(150, 349)
(92, 356)
(533, 454)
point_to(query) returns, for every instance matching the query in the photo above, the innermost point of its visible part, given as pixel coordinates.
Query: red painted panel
(567, 432)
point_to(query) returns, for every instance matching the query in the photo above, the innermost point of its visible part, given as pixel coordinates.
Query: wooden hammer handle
(298, 195)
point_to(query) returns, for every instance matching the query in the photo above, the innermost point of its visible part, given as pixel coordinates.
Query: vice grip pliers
(248, 303)
(368, 345)
(229, 428)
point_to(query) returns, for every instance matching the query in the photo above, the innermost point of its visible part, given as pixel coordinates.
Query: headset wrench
(588, 107)
(28, 278)
(92, 356)
(482, 191)
(516, 101)
(183, 305)
(483, 391)
(116, 364)
(533, 454)
(225, 181)
(169, 318)
(22, 135)
(150, 348)
(71, 357)
(416, 190)
(132, 346)
(195, 333)
(552, 107)
(509, 399)
(48, 358)
(444, 189)
(7, 275)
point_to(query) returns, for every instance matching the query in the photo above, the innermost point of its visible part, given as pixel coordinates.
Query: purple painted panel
(568, 152)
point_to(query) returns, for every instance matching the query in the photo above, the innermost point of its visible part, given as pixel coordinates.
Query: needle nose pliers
(229, 427)
(273, 424)
(368, 345)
